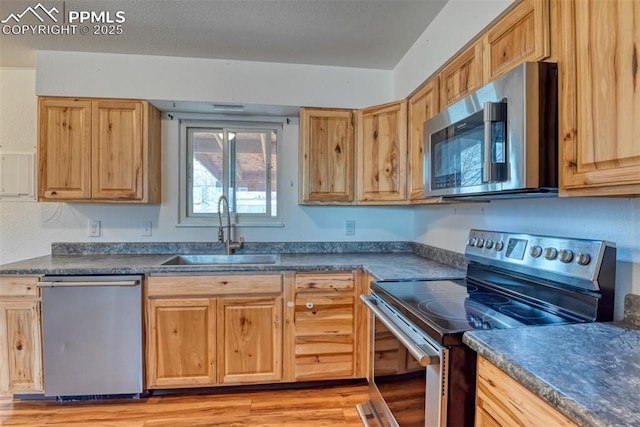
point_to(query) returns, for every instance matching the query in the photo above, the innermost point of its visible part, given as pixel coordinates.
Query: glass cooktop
(454, 306)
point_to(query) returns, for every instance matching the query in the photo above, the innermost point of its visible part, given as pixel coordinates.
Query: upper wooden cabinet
(599, 97)
(326, 156)
(521, 35)
(422, 106)
(98, 150)
(382, 154)
(462, 75)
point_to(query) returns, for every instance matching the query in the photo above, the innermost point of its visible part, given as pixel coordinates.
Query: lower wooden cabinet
(502, 401)
(20, 336)
(326, 338)
(213, 330)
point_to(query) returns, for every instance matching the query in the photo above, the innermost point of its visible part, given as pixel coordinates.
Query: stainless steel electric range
(421, 373)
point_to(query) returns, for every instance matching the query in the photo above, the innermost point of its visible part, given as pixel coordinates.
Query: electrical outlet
(350, 227)
(94, 228)
(146, 228)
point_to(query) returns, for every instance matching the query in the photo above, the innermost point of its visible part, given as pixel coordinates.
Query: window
(235, 159)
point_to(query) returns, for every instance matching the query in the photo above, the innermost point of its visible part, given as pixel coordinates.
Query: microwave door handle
(494, 112)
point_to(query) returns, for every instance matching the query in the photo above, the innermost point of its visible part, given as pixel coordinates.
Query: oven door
(407, 384)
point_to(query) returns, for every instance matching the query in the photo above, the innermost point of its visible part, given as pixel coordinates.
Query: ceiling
(347, 33)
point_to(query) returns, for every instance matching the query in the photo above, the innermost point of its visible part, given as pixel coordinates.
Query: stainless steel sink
(223, 259)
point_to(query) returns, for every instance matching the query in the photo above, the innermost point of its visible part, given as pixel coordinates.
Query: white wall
(27, 229)
(209, 80)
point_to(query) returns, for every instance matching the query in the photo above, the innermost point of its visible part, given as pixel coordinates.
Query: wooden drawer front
(169, 286)
(315, 282)
(324, 357)
(509, 403)
(324, 315)
(18, 286)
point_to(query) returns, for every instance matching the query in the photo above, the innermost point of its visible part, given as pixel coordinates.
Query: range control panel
(574, 261)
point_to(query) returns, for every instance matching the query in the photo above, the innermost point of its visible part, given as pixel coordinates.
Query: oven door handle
(424, 355)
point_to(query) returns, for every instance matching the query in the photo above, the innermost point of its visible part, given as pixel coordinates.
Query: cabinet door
(422, 106)
(462, 76)
(250, 339)
(181, 347)
(522, 35)
(599, 97)
(326, 156)
(382, 154)
(64, 149)
(20, 347)
(117, 156)
(502, 401)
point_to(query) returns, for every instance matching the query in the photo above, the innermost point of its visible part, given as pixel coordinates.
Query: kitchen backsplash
(632, 309)
(87, 248)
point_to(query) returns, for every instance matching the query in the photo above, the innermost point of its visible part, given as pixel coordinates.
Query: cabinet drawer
(18, 286)
(324, 357)
(324, 315)
(509, 403)
(170, 286)
(314, 282)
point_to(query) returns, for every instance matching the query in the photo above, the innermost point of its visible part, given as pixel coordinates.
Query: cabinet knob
(309, 305)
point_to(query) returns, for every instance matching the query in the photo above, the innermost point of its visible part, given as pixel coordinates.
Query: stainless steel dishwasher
(92, 333)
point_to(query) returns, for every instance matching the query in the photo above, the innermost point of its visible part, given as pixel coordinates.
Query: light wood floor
(326, 406)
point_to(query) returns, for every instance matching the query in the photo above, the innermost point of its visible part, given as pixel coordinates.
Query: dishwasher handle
(70, 284)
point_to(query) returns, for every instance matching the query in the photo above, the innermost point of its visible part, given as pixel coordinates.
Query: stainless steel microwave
(500, 141)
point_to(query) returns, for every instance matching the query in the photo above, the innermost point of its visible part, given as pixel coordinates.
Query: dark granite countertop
(383, 266)
(590, 372)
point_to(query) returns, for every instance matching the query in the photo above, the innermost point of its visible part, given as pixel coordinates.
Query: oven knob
(536, 251)
(488, 244)
(566, 255)
(550, 253)
(499, 245)
(480, 242)
(583, 259)
(471, 241)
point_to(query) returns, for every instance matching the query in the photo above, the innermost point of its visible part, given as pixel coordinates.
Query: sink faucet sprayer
(230, 245)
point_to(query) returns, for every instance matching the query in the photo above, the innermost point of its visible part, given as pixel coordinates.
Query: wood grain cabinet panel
(326, 156)
(599, 97)
(214, 330)
(20, 336)
(64, 149)
(326, 327)
(521, 35)
(98, 150)
(181, 350)
(382, 154)
(422, 105)
(502, 401)
(462, 75)
(250, 340)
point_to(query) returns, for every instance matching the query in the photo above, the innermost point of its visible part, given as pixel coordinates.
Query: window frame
(186, 217)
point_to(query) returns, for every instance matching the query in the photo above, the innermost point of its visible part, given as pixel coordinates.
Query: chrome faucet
(230, 245)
